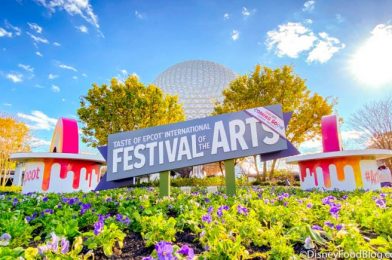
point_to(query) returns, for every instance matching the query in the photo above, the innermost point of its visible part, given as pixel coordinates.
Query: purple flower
(283, 196)
(187, 251)
(210, 209)
(206, 218)
(207, 200)
(73, 201)
(98, 227)
(339, 227)
(334, 210)
(148, 258)
(164, 250)
(221, 209)
(285, 203)
(5, 239)
(266, 201)
(381, 203)
(48, 211)
(328, 200)
(45, 199)
(42, 249)
(328, 224)
(309, 205)
(344, 197)
(242, 210)
(317, 227)
(64, 246)
(54, 243)
(84, 208)
(15, 201)
(308, 243)
(122, 219)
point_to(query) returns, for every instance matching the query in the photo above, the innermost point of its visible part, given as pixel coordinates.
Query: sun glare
(372, 63)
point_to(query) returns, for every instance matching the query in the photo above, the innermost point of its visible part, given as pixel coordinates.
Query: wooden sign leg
(164, 184)
(230, 177)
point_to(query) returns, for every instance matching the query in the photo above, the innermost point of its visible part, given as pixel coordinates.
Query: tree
(125, 106)
(14, 137)
(374, 122)
(266, 86)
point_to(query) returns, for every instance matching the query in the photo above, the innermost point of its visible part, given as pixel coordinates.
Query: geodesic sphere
(198, 84)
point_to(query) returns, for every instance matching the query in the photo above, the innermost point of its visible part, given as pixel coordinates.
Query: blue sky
(51, 51)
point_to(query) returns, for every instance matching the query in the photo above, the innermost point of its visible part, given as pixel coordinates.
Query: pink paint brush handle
(330, 134)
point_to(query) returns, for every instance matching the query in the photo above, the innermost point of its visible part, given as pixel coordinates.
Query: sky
(52, 51)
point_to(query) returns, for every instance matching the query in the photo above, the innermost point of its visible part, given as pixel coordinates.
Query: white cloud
(326, 47)
(15, 77)
(38, 39)
(27, 68)
(15, 30)
(56, 44)
(139, 15)
(290, 39)
(246, 12)
(38, 120)
(38, 53)
(235, 35)
(309, 6)
(38, 86)
(7, 104)
(75, 77)
(35, 27)
(67, 67)
(36, 142)
(311, 146)
(351, 135)
(339, 18)
(84, 75)
(52, 76)
(55, 88)
(226, 16)
(63, 99)
(124, 72)
(5, 33)
(82, 28)
(82, 8)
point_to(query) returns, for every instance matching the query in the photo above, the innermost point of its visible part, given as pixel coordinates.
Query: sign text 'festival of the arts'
(195, 142)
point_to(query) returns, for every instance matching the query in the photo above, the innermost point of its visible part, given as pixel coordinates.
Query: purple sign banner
(217, 138)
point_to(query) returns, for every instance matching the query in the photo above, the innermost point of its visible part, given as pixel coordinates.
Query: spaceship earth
(198, 84)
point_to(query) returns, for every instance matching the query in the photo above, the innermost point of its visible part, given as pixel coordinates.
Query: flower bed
(259, 223)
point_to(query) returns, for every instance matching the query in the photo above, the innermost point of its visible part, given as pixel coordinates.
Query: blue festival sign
(234, 135)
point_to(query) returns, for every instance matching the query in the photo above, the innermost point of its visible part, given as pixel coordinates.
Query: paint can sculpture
(63, 169)
(336, 168)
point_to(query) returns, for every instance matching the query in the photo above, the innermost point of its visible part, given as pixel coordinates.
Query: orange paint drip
(340, 168)
(46, 177)
(355, 164)
(324, 165)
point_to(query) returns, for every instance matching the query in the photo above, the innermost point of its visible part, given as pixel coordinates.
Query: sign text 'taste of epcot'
(216, 138)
